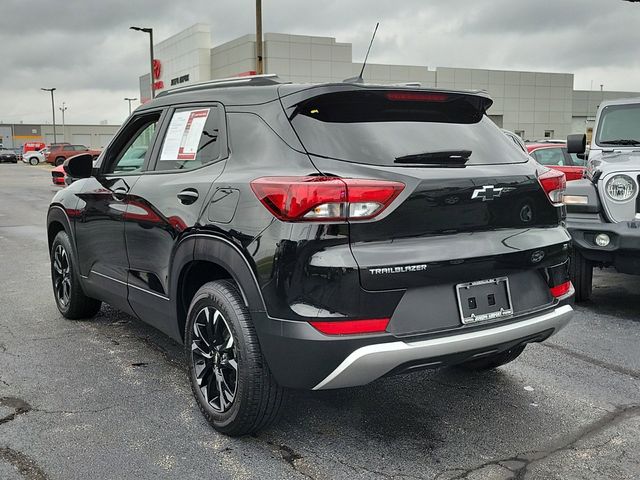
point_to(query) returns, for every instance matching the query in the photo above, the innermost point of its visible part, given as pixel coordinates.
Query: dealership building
(536, 105)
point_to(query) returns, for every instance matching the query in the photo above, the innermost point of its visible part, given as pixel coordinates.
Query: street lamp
(150, 32)
(53, 111)
(130, 100)
(63, 109)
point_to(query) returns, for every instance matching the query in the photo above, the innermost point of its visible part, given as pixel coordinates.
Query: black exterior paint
(138, 249)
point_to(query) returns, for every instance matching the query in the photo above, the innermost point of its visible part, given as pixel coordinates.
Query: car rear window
(403, 128)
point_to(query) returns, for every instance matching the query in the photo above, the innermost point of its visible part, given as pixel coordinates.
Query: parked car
(314, 237)
(603, 210)
(33, 157)
(59, 153)
(554, 155)
(7, 155)
(59, 176)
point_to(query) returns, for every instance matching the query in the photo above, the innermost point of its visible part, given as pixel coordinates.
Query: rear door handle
(188, 196)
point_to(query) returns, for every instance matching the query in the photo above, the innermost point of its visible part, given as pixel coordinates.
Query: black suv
(314, 237)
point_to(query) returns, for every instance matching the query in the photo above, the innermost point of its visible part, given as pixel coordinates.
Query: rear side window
(403, 128)
(192, 139)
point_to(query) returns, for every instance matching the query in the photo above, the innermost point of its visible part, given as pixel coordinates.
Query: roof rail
(249, 80)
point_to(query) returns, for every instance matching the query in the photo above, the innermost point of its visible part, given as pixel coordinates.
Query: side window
(68, 148)
(191, 140)
(131, 147)
(549, 156)
(81, 148)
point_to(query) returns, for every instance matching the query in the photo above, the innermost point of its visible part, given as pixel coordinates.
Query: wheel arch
(211, 258)
(57, 221)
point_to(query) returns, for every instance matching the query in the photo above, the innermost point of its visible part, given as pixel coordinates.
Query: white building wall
(186, 53)
(304, 59)
(233, 58)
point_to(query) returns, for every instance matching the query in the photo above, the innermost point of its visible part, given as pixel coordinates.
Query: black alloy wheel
(67, 291)
(229, 376)
(59, 161)
(214, 356)
(61, 275)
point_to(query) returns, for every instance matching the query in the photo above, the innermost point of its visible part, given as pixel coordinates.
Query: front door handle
(188, 196)
(119, 193)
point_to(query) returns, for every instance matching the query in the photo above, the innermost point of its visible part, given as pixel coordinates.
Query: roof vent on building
(249, 80)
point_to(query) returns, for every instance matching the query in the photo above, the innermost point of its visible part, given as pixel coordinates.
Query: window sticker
(183, 135)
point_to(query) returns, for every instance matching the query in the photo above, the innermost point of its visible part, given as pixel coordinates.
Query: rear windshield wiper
(446, 157)
(621, 141)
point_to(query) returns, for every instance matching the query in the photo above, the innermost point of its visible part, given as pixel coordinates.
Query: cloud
(87, 52)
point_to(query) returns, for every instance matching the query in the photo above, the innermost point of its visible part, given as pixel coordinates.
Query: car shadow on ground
(425, 411)
(615, 294)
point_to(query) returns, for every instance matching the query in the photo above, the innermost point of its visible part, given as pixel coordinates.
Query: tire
(67, 291)
(218, 317)
(59, 161)
(33, 161)
(493, 361)
(581, 271)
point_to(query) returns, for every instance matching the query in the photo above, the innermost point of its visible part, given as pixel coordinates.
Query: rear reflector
(561, 290)
(416, 97)
(351, 327)
(554, 183)
(309, 199)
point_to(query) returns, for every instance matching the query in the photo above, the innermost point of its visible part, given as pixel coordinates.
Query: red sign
(157, 69)
(247, 74)
(158, 85)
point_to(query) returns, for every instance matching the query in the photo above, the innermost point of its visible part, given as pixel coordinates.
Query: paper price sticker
(183, 135)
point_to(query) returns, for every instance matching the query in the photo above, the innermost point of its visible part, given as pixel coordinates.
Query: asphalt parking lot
(109, 398)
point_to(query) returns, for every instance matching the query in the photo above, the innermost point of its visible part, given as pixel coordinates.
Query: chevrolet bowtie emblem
(486, 193)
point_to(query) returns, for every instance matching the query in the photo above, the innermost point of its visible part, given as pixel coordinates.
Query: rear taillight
(351, 327)
(561, 290)
(553, 183)
(309, 199)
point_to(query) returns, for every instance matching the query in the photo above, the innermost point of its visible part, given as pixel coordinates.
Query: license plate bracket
(484, 300)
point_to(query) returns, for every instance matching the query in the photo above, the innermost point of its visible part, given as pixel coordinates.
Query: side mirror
(79, 166)
(577, 143)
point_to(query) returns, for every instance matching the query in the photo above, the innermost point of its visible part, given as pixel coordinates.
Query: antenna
(359, 78)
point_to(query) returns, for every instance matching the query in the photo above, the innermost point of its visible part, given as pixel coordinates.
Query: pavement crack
(96, 410)
(20, 407)
(25, 465)
(594, 361)
(520, 463)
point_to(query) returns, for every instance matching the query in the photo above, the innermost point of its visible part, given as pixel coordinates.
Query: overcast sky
(85, 50)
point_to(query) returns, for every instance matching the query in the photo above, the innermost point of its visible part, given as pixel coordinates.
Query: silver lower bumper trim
(373, 361)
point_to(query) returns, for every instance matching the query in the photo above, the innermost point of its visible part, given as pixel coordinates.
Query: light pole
(63, 109)
(150, 32)
(259, 62)
(53, 111)
(130, 100)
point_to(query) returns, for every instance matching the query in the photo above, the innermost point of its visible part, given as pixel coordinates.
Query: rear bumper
(373, 361)
(624, 250)
(301, 357)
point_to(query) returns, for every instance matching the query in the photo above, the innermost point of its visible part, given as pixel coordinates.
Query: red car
(59, 153)
(58, 176)
(554, 155)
